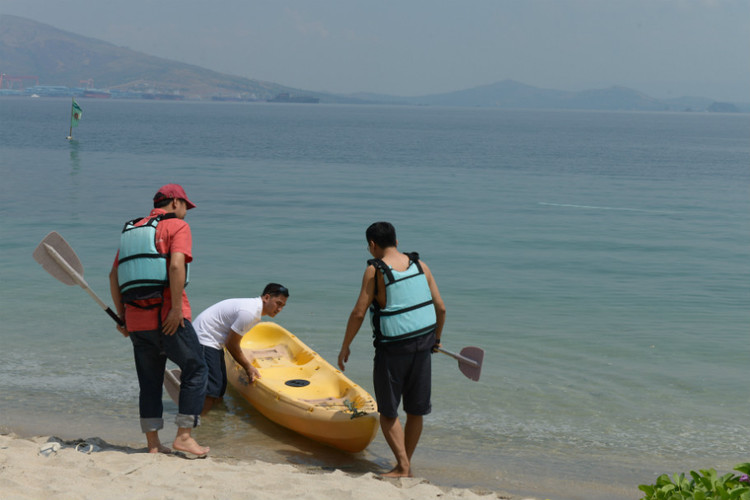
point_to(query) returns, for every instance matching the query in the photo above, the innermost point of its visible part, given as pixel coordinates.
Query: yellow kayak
(301, 391)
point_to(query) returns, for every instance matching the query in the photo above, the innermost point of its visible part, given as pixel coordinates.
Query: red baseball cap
(171, 191)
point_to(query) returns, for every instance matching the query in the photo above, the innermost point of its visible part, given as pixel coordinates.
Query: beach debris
(354, 407)
(87, 448)
(49, 449)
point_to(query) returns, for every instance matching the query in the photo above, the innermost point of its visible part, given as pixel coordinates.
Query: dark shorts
(217, 371)
(404, 370)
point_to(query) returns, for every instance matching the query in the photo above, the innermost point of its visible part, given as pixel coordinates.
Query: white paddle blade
(59, 271)
(172, 384)
(60, 260)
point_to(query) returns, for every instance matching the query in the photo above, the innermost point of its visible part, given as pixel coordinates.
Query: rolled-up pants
(151, 351)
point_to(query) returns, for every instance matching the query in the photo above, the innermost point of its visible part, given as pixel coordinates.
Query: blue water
(599, 259)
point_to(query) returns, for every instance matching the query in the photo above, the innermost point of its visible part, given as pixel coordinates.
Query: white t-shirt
(215, 324)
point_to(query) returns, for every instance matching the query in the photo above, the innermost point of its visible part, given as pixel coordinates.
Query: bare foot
(160, 449)
(189, 445)
(397, 472)
(154, 443)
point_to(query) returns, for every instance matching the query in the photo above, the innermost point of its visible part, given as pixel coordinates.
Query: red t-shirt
(172, 236)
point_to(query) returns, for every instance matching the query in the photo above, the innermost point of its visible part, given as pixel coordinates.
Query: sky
(664, 48)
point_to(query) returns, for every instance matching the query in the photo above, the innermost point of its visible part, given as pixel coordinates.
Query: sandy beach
(48, 467)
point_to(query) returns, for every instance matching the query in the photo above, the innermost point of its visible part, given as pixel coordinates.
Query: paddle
(469, 361)
(59, 259)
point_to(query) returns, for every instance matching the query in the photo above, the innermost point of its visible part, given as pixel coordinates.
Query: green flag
(75, 114)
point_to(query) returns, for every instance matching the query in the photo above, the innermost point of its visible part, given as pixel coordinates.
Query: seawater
(600, 259)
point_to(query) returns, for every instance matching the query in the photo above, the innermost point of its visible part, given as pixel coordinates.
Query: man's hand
(123, 331)
(253, 373)
(343, 357)
(173, 321)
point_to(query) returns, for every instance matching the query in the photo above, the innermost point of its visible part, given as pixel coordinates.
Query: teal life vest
(142, 271)
(409, 311)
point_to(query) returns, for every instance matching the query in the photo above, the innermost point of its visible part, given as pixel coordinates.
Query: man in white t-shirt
(223, 325)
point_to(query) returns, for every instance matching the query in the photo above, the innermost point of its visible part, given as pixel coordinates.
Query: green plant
(706, 485)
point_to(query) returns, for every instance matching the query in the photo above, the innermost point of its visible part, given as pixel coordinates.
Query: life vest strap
(406, 309)
(144, 256)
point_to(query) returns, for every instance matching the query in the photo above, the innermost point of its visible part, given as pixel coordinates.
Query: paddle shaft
(81, 282)
(462, 359)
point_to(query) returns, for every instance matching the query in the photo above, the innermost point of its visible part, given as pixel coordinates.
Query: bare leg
(208, 404)
(394, 436)
(412, 433)
(185, 442)
(154, 444)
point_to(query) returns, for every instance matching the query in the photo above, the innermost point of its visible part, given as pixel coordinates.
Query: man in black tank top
(402, 368)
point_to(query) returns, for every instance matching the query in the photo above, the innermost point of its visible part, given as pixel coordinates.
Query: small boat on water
(301, 391)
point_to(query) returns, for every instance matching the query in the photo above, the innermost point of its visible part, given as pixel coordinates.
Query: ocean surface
(599, 258)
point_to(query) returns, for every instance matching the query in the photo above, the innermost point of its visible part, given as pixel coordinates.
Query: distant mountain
(61, 58)
(57, 57)
(511, 94)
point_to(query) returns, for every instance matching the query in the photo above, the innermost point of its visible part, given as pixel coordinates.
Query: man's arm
(114, 290)
(357, 316)
(233, 346)
(177, 271)
(437, 301)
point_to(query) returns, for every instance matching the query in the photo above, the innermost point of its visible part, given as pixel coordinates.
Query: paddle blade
(172, 384)
(471, 369)
(52, 266)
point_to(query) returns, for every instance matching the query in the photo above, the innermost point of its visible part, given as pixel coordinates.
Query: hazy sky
(666, 48)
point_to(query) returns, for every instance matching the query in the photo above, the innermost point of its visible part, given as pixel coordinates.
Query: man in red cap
(147, 282)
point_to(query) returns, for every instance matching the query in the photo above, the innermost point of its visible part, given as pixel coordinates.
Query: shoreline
(46, 467)
(512, 476)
